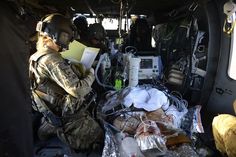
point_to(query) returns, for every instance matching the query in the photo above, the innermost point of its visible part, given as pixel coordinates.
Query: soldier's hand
(80, 68)
(90, 71)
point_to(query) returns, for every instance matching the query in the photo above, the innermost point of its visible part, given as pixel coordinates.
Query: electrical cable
(179, 102)
(131, 48)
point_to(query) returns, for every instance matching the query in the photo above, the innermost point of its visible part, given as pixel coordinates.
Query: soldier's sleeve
(62, 73)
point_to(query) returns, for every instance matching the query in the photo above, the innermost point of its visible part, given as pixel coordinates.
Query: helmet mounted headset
(59, 28)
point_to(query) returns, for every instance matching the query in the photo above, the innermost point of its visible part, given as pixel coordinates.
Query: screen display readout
(146, 64)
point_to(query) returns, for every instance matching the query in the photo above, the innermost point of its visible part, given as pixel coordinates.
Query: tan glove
(79, 69)
(89, 72)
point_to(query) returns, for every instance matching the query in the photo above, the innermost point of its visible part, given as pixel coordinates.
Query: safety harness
(37, 103)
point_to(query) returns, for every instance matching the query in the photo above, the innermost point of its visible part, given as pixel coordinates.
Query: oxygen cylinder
(133, 71)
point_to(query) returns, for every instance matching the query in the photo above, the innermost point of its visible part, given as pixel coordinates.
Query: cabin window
(110, 23)
(91, 20)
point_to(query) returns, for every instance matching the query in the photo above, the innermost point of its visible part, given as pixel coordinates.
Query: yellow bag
(224, 132)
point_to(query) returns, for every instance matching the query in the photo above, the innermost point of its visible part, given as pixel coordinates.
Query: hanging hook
(229, 23)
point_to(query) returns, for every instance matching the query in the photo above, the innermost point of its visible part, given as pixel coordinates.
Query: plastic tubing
(96, 73)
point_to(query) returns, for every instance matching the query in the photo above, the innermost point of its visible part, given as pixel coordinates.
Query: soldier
(97, 35)
(81, 24)
(59, 89)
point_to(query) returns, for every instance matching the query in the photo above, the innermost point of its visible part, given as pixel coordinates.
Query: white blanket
(148, 99)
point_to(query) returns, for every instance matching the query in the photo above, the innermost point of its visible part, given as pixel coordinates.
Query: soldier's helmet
(81, 23)
(59, 28)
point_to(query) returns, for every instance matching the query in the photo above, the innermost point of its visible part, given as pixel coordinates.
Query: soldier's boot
(46, 130)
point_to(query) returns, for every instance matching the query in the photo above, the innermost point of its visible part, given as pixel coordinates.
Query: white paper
(89, 56)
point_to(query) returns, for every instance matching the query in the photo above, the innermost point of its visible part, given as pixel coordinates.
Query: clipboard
(79, 52)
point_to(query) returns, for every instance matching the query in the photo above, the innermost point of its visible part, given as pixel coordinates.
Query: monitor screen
(146, 64)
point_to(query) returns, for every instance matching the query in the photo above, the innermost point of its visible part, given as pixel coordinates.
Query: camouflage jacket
(60, 86)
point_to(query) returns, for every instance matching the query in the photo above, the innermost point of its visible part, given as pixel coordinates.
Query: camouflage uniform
(63, 91)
